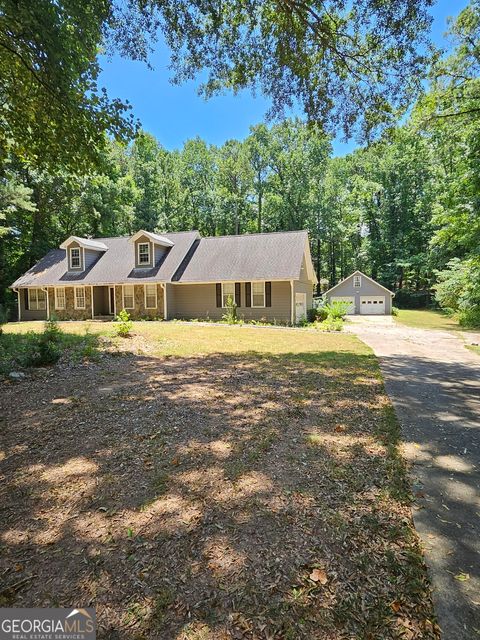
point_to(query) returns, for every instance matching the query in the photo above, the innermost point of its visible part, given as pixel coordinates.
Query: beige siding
(144, 240)
(139, 296)
(187, 301)
(305, 287)
(75, 245)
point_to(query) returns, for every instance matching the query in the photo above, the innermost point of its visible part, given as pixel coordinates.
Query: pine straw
(194, 498)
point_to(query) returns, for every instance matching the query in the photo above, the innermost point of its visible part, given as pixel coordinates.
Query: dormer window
(357, 282)
(75, 259)
(144, 253)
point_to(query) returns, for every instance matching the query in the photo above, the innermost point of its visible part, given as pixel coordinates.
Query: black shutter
(219, 294)
(248, 294)
(26, 299)
(268, 294)
(238, 295)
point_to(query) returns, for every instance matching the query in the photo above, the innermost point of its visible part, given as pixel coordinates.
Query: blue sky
(176, 113)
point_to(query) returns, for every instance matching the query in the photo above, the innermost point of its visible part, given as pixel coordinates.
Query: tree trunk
(333, 269)
(259, 208)
(318, 266)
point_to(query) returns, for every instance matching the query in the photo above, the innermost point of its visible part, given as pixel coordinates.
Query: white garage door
(372, 305)
(349, 299)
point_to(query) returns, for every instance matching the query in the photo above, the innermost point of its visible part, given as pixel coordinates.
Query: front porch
(92, 302)
(103, 302)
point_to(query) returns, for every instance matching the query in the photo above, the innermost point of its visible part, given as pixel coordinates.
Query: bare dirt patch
(223, 496)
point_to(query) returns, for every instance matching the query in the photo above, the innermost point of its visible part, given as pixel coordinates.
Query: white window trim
(37, 307)
(355, 286)
(57, 304)
(258, 306)
(233, 295)
(79, 249)
(123, 296)
(30, 308)
(143, 244)
(145, 295)
(84, 298)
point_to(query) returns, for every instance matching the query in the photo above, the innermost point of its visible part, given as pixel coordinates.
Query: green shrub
(458, 290)
(331, 324)
(51, 330)
(469, 317)
(48, 351)
(44, 349)
(124, 324)
(394, 311)
(230, 315)
(336, 310)
(317, 314)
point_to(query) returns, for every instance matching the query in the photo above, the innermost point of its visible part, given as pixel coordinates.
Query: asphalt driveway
(434, 384)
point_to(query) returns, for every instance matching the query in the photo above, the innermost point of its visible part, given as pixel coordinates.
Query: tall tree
(52, 112)
(233, 185)
(346, 64)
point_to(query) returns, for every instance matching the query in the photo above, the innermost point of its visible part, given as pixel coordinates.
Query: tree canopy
(347, 66)
(404, 208)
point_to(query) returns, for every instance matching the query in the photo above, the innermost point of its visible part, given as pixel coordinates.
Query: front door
(300, 306)
(111, 300)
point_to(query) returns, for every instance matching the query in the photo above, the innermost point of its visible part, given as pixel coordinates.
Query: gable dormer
(149, 248)
(82, 252)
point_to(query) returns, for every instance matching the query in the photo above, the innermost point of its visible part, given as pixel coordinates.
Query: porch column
(19, 303)
(165, 308)
(292, 303)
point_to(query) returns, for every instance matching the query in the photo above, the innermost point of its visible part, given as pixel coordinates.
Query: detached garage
(364, 295)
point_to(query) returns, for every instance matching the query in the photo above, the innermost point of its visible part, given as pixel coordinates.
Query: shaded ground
(234, 495)
(434, 383)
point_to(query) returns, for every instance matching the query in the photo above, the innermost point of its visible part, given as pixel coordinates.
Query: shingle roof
(115, 266)
(256, 256)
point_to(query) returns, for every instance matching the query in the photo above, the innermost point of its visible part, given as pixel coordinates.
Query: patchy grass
(19, 344)
(190, 482)
(191, 339)
(474, 348)
(427, 319)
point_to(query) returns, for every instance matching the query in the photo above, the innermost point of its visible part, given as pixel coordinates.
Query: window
(128, 295)
(150, 296)
(59, 298)
(79, 297)
(258, 294)
(228, 291)
(357, 282)
(144, 253)
(75, 258)
(37, 300)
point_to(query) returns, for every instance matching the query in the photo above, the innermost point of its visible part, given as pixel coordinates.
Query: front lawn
(209, 483)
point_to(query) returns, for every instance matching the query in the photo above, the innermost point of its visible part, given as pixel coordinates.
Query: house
(173, 275)
(364, 295)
